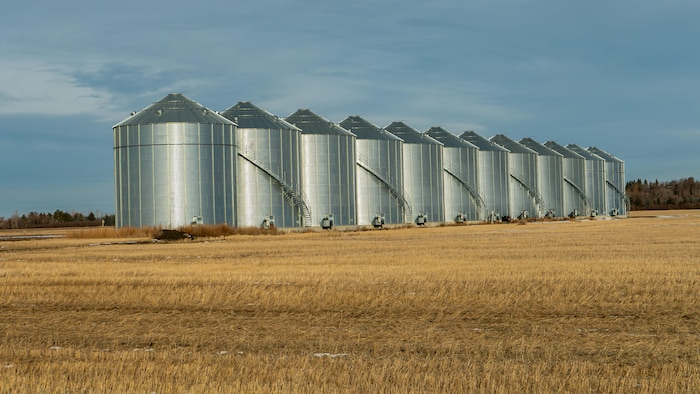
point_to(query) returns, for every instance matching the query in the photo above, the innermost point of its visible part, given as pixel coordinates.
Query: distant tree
(676, 194)
(109, 220)
(15, 221)
(62, 217)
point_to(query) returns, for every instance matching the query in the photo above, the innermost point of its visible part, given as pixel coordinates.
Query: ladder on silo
(472, 191)
(298, 199)
(400, 196)
(532, 191)
(580, 192)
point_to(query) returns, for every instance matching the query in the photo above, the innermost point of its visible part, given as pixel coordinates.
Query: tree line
(678, 194)
(57, 219)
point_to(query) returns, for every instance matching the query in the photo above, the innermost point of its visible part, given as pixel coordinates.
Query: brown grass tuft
(199, 231)
(111, 232)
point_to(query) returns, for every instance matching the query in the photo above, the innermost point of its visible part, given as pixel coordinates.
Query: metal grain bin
(463, 201)
(328, 169)
(574, 173)
(174, 164)
(525, 199)
(380, 194)
(616, 199)
(595, 180)
(269, 168)
(550, 177)
(422, 172)
(494, 178)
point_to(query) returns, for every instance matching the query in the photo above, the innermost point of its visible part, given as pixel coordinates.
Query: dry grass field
(580, 306)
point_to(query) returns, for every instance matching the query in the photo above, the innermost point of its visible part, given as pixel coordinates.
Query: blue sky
(621, 75)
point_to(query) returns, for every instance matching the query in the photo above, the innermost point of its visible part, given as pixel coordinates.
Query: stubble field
(581, 306)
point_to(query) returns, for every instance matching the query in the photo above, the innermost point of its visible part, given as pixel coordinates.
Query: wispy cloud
(121, 78)
(27, 88)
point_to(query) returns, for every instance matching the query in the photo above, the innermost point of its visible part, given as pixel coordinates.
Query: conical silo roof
(365, 130)
(567, 153)
(448, 139)
(248, 116)
(539, 148)
(310, 123)
(511, 145)
(409, 135)
(605, 155)
(481, 142)
(586, 154)
(174, 108)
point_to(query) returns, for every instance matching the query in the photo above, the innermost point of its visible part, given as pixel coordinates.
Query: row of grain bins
(178, 162)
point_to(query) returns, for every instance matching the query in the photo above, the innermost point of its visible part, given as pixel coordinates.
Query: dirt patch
(172, 235)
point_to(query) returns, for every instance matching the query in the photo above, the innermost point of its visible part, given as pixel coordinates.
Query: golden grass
(111, 232)
(199, 230)
(573, 306)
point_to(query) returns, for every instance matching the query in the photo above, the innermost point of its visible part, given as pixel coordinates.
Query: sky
(622, 75)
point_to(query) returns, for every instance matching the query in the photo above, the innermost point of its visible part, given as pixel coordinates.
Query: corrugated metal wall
(616, 199)
(328, 168)
(525, 199)
(549, 176)
(595, 180)
(175, 162)
(463, 201)
(574, 175)
(422, 170)
(380, 191)
(494, 179)
(269, 168)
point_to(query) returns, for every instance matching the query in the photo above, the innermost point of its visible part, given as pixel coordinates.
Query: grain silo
(328, 169)
(463, 201)
(525, 199)
(175, 163)
(616, 199)
(422, 173)
(595, 180)
(494, 179)
(269, 169)
(550, 177)
(574, 173)
(380, 194)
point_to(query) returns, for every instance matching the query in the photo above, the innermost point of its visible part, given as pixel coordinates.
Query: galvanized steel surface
(175, 162)
(422, 170)
(380, 191)
(269, 168)
(616, 199)
(595, 180)
(550, 177)
(494, 178)
(574, 175)
(525, 198)
(328, 168)
(461, 189)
